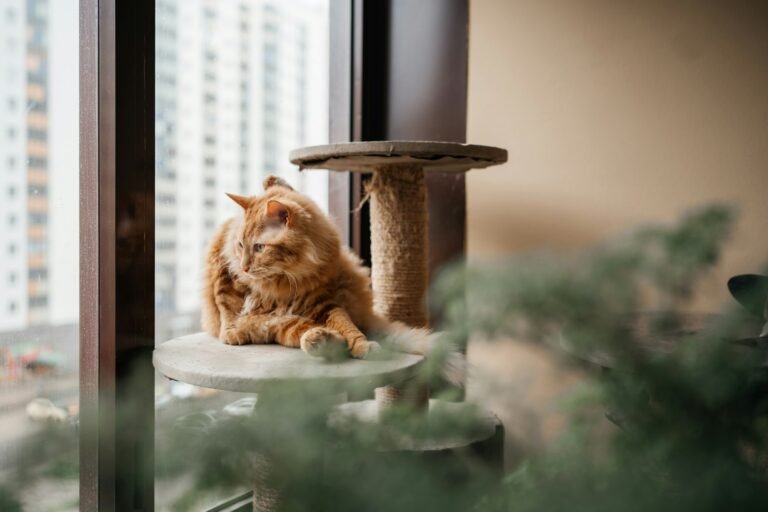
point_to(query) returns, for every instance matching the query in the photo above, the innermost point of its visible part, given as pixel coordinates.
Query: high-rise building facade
(24, 157)
(239, 84)
(13, 170)
(37, 155)
(38, 163)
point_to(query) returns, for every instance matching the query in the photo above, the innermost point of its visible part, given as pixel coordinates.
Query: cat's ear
(243, 201)
(274, 181)
(279, 212)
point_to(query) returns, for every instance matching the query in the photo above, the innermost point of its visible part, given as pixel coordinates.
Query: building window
(166, 199)
(35, 134)
(165, 245)
(37, 163)
(38, 302)
(38, 246)
(38, 190)
(38, 274)
(37, 218)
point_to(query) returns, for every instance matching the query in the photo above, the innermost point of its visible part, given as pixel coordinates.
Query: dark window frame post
(399, 72)
(116, 254)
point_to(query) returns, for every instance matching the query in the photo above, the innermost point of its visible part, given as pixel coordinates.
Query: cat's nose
(245, 269)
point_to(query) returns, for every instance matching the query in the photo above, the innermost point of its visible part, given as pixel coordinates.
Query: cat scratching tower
(399, 242)
(399, 251)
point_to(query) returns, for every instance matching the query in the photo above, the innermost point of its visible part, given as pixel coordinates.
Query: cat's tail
(451, 361)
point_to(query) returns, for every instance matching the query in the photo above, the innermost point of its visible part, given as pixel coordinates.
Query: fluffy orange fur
(280, 274)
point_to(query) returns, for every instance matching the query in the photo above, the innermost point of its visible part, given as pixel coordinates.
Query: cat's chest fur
(258, 303)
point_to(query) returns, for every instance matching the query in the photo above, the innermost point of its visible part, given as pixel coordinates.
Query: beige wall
(614, 113)
(617, 113)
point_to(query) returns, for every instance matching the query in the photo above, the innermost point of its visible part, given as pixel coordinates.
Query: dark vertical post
(359, 49)
(117, 254)
(428, 55)
(399, 72)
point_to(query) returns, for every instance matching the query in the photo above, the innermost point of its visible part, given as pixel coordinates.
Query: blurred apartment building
(38, 163)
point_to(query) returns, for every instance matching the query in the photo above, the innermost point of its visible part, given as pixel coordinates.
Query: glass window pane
(39, 247)
(239, 84)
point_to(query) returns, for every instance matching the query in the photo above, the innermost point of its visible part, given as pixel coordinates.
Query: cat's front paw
(322, 342)
(364, 349)
(231, 335)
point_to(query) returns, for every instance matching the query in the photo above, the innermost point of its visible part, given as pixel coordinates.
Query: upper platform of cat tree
(204, 361)
(365, 156)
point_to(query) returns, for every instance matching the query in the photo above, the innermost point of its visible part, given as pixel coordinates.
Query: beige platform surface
(431, 156)
(201, 360)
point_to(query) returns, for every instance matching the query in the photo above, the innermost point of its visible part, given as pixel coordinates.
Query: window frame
(116, 265)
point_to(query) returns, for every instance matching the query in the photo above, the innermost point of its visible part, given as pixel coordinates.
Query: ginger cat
(280, 274)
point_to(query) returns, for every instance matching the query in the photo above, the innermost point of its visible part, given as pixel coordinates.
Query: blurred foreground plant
(692, 414)
(690, 405)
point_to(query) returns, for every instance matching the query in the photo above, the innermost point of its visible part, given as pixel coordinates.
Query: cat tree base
(201, 360)
(400, 277)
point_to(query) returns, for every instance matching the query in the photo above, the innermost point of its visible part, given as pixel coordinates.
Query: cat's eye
(258, 247)
(240, 244)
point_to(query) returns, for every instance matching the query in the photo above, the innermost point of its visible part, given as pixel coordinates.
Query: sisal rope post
(399, 273)
(399, 243)
(266, 496)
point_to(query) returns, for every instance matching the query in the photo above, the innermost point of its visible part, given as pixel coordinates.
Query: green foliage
(690, 406)
(50, 452)
(8, 501)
